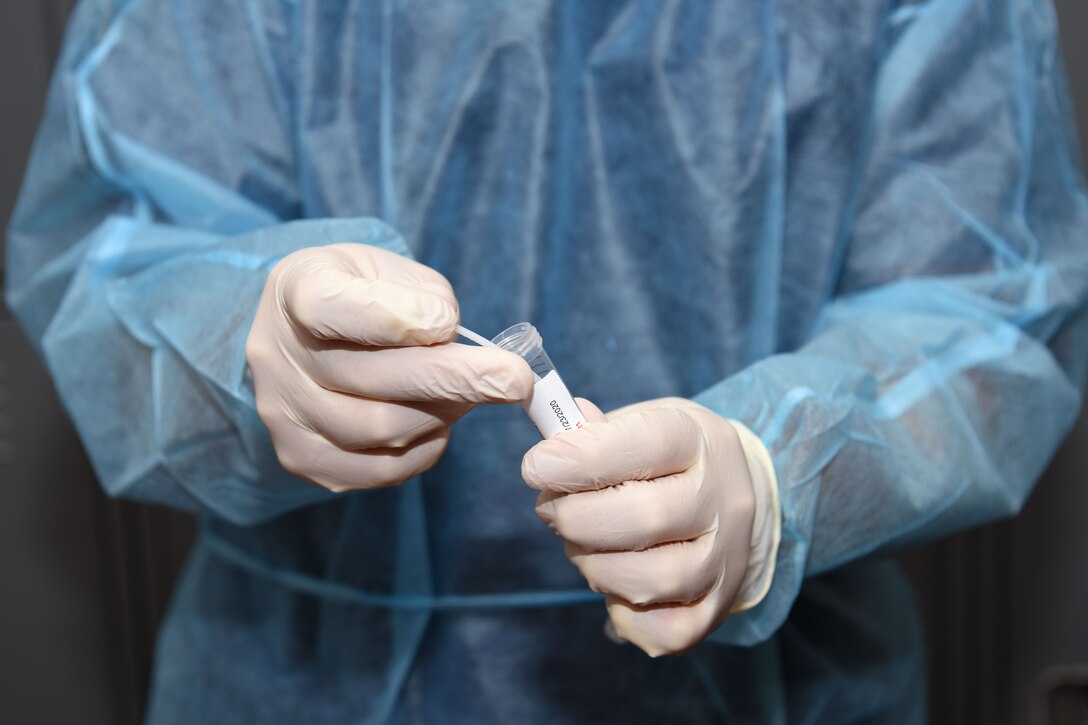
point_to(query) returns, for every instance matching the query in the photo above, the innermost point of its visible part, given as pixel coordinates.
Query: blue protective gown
(858, 227)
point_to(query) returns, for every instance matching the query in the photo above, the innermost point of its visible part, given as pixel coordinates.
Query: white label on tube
(552, 409)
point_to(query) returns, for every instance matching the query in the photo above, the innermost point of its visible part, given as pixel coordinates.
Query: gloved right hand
(354, 372)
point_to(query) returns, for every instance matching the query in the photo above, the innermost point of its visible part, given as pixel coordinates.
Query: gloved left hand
(668, 509)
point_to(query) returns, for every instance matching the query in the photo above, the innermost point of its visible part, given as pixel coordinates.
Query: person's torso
(663, 190)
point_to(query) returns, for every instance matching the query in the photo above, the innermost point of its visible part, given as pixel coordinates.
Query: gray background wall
(84, 580)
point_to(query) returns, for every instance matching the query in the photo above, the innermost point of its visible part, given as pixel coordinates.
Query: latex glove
(669, 510)
(353, 370)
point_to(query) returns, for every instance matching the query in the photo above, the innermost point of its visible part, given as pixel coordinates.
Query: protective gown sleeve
(947, 367)
(152, 210)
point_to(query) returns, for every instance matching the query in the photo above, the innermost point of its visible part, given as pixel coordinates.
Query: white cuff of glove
(767, 526)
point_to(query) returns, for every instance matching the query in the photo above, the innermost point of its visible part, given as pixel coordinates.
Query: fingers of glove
(451, 372)
(666, 629)
(630, 516)
(590, 410)
(354, 423)
(332, 296)
(377, 263)
(672, 573)
(640, 445)
(311, 457)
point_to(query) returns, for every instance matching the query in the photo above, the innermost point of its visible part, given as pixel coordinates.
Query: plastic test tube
(551, 407)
